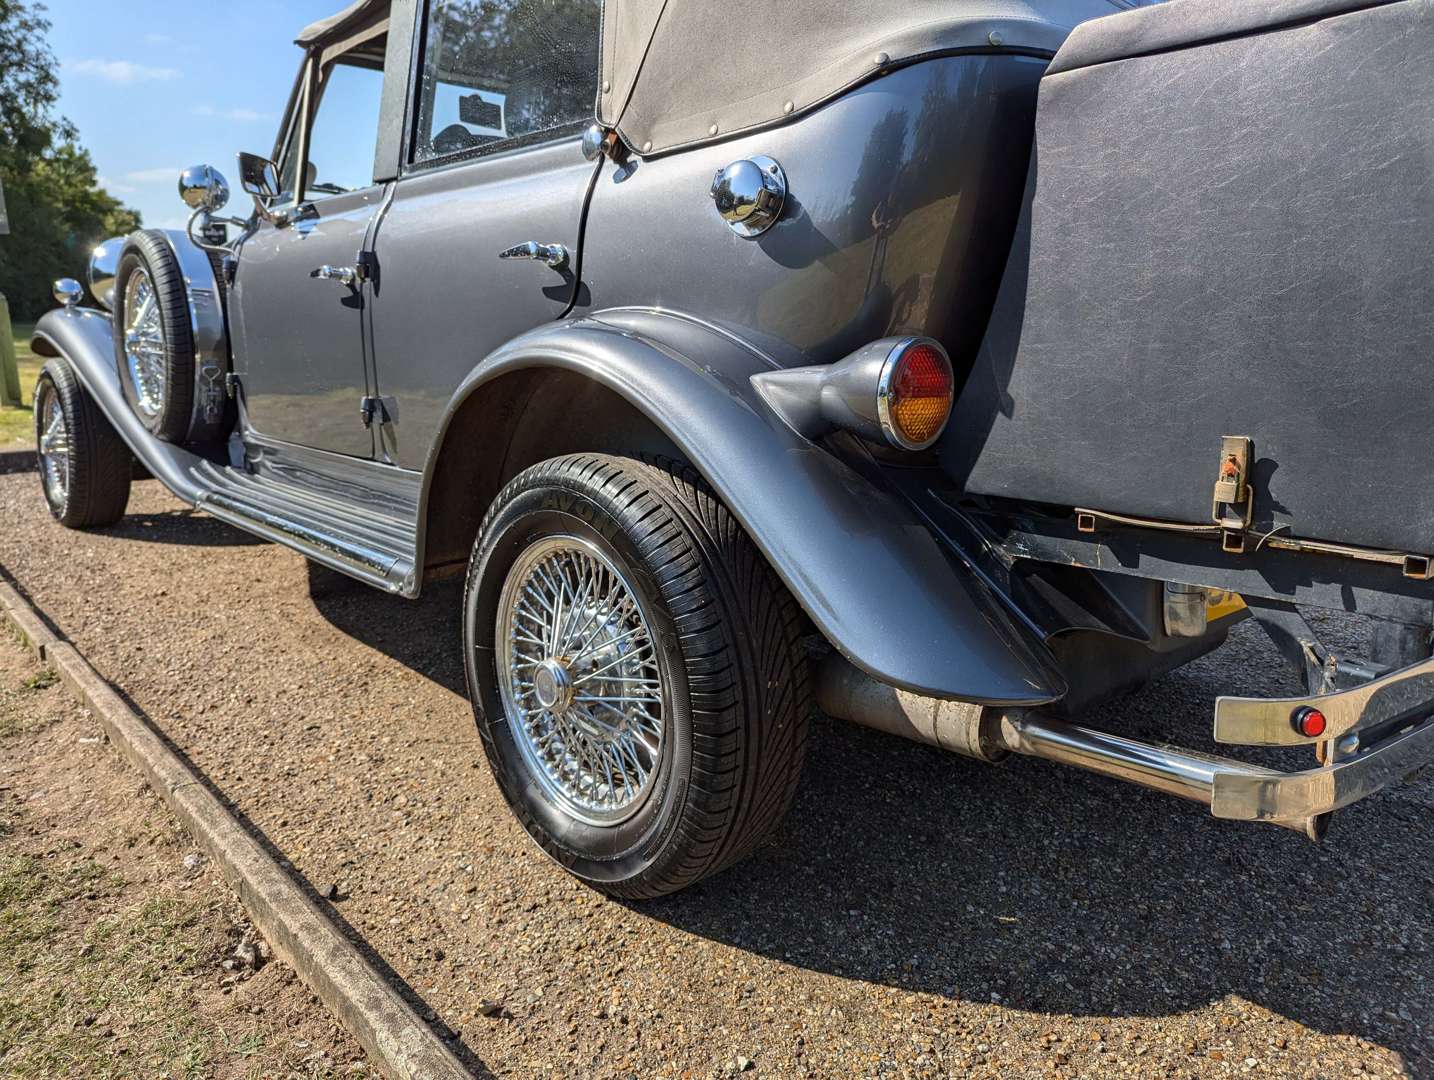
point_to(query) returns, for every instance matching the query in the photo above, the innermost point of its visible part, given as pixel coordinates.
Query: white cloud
(158, 39)
(114, 187)
(242, 116)
(153, 176)
(122, 71)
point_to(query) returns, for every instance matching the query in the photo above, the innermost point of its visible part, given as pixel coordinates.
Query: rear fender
(863, 567)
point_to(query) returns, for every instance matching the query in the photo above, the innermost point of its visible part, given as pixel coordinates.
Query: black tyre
(85, 466)
(154, 342)
(635, 670)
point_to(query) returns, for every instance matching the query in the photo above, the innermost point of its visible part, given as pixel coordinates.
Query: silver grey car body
(511, 281)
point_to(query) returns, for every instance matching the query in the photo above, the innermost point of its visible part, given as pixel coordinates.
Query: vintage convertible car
(931, 362)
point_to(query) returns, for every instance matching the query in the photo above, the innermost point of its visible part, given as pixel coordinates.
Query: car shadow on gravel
(187, 527)
(1057, 892)
(1060, 893)
(423, 634)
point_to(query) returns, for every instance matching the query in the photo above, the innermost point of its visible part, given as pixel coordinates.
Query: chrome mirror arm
(207, 220)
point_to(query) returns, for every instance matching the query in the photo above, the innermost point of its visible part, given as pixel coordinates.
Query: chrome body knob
(749, 195)
(68, 292)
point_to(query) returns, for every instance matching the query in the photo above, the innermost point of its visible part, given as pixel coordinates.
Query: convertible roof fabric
(676, 73)
(357, 12)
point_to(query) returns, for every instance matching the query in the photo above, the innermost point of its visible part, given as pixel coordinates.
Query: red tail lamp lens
(1309, 722)
(917, 395)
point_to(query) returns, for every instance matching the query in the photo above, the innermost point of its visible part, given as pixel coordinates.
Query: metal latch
(1233, 507)
(382, 409)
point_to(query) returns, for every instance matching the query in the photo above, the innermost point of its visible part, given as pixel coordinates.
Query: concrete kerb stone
(392, 1033)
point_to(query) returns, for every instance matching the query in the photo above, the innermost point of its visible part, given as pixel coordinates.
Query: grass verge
(121, 954)
(17, 426)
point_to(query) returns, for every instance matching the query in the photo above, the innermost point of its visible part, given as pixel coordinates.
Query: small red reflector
(1309, 722)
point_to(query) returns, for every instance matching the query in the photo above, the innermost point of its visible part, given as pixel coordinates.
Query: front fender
(867, 572)
(85, 338)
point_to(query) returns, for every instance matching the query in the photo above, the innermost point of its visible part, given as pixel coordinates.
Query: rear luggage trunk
(1229, 231)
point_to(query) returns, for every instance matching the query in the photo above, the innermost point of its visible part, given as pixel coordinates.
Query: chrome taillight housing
(897, 390)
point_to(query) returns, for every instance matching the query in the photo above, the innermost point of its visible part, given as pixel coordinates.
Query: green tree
(56, 208)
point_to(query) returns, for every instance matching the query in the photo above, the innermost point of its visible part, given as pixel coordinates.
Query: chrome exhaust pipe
(989, 734)
(1185, 773)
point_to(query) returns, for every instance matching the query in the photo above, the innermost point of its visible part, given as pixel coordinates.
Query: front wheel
(636, 672)
(85, 467)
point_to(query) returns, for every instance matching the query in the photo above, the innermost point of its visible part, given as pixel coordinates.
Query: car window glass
(501, 70)
(344, 134)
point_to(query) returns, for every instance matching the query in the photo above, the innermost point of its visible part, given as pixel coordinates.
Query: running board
(375, 548)
(326, 511)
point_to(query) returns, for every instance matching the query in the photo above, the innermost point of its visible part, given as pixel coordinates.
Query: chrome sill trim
(384, 570)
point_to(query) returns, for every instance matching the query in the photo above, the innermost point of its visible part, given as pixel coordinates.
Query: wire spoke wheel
(580, 679)
(144, 346)
(53, 446)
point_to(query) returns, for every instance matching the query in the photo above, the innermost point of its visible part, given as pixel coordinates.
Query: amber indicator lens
(921, 393)
(1309, 722)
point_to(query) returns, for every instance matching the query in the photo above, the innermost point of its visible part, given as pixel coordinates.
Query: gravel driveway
(918, 915)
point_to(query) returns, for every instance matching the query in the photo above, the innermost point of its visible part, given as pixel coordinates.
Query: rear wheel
(636, 672)
(85, 466)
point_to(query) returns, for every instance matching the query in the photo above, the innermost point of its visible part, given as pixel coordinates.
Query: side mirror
(259, 176)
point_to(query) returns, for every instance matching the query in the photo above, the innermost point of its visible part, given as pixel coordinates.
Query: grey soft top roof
(680, 72)
(360, 11)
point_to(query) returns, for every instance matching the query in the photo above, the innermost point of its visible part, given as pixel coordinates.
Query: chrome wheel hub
(553, 686)
(54, 447)
(144, 343)
(581, 683)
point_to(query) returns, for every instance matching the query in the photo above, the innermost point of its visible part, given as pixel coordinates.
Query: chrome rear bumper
(1232, 789)
(1378, 733)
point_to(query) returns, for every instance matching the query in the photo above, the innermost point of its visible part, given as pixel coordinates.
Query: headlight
(104, 265)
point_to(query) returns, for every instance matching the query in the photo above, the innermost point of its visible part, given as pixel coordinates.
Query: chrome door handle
(554, 255)
(344, 275)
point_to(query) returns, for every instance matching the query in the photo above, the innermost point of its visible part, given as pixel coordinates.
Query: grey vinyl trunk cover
(1228, 230)
(679, 72)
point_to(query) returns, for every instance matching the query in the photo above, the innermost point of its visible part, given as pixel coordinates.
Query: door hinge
(384, 410)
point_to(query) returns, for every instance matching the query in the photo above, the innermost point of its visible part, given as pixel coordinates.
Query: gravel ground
(918, 914)
(117, 938)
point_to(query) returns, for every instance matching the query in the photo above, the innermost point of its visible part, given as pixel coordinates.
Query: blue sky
(158, 85)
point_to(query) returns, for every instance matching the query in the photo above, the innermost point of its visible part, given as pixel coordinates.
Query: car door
(298, 330)
(494, 161)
